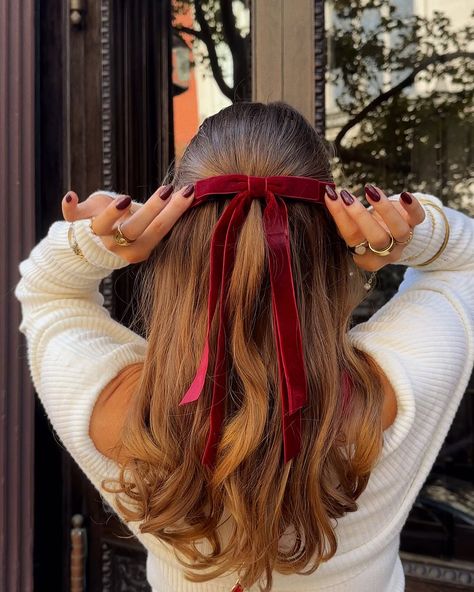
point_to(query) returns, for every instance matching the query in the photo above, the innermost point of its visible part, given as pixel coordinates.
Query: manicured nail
(188, 190)
(331, 193)
(372, 192)
(165, 191)
(406, 197)
(347, 197)
(124, 203)
(68, 197)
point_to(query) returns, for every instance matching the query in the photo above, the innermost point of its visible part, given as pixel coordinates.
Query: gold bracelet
(446, 234)
(71, 236)
(433, 227)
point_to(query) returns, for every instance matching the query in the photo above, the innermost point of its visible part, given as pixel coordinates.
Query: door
(104, 99)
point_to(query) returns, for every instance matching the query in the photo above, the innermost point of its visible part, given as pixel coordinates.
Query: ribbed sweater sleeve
(74, 347)
(423, 340)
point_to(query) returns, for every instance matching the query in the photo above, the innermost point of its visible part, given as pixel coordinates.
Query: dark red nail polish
(347, 197)
(372, 192)
(331, 193)
(165, 191)
(124, 203)
(406, 197)
(188, 190)
(68, 197)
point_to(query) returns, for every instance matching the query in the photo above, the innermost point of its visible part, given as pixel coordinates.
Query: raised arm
(74, 347)
(423, 338)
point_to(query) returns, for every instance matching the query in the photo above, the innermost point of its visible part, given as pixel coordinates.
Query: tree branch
(397, 89)
(189, 31)
(206, 36)
(355, 155)
(229, 26)
(238, 48)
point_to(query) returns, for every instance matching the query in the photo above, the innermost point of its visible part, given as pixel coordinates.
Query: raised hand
(357, 224)
(144, 224)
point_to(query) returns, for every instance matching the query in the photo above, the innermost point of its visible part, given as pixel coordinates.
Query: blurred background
(107, 94)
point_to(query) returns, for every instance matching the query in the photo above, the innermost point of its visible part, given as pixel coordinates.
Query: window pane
(211, 63)
(399, 96)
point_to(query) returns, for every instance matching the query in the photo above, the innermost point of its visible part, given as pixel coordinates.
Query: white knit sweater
(422, 338)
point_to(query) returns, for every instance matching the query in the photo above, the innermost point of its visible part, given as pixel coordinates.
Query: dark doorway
(103, 102)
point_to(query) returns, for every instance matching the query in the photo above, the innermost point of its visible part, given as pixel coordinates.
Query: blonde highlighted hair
(175, 498)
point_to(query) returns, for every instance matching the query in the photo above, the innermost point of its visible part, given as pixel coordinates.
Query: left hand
(148, 223)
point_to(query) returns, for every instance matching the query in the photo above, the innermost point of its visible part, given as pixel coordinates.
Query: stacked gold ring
(121, 239)
(119, 236)
(361, 248)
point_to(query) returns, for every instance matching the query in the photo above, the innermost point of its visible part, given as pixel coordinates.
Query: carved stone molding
(106, 88)
(429, 569)
(319, 67)
(106, 120)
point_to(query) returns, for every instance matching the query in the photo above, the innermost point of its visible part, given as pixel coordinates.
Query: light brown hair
(176, 498)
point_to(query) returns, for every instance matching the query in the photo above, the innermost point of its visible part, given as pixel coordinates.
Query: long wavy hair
(174, 496)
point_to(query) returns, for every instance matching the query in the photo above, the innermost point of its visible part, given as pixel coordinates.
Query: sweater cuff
(99, 262)
(94, 249)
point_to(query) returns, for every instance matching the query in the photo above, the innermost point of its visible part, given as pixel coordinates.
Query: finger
(135, 225)
(348, 229)
(413, 208)
(393, 220)
(179, 202)
(68, 206)
(101, 197)
(372, 231)
(105, 221)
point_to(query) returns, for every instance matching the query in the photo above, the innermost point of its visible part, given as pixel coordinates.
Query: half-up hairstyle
(175, 497)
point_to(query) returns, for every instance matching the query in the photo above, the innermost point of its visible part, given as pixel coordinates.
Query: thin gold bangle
(71, 236)
(446, 234)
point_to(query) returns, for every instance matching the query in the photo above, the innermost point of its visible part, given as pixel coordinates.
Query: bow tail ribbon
(286, 324)
(285, 316)
(222, 258)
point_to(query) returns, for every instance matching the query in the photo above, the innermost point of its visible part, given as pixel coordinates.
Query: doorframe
(17, 210)
(289, 55)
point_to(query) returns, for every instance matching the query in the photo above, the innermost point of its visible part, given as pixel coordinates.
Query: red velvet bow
(286, 321)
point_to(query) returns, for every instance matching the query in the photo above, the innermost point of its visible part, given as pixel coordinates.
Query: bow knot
(256, 186)
(288, 342)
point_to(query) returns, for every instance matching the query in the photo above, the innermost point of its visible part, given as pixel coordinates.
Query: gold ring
(387, 250)
(121, 239)
(408, 239)
(359, 249)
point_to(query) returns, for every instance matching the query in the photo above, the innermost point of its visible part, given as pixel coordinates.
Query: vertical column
(320, 60)
(17, 237)
(283, 53)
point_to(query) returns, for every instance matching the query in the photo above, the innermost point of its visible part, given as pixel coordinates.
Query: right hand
(356, 224)
(145, 224)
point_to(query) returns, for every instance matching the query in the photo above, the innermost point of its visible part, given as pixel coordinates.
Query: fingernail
(372, 192)
(68, 197)
(165, 191)
(406, 197)
(188, 190)
(331, 193)
(124, 203)
(347, 197)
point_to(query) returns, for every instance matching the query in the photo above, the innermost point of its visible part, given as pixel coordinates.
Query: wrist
(94, 249)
